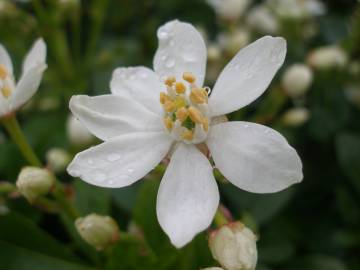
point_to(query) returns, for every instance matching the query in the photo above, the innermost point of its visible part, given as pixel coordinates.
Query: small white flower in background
(57, 159)
(297, 79)
(262, 20)
(234, 247)
(13, 95)
(296, 117)
(229, 9)
(139, 131)
(212, 268)
(77, 133)
(327, 57)
(98, 231)
(233, 41)
(33, 182)
(296, 9)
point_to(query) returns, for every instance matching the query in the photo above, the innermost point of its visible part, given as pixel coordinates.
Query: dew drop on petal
(170, 63)
(113, 157)
(90, 161)
(130, 170)
(99, 176)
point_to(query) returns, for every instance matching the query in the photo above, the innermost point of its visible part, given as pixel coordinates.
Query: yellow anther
(195, 115)
(169, 106)
(205, 124)
(170, 80)
(179, 102)
(189, 77)
(6, 91)
(180, 88)
(198, 96)
(182, 114)
(164, 97)
(187, 135)
(3, 72)
(168, 123)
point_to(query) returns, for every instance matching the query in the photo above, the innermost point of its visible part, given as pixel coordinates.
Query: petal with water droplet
(247, 75)
(254, 157)
(121, 161)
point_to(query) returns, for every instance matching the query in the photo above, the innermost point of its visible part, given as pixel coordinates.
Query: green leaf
(22, 232)
(318, 262)
(17, 258)
(124, 198)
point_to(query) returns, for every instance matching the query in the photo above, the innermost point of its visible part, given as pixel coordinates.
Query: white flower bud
(214, 52)
(77, 133)
(327, 57)
(57, 159)
(297, 80)
(98, 231)
(234, 247)
(212, 268)
(229, 9)
(296, 117)
(297, 9)
(33, 182)
(262, 20)
(233, 41)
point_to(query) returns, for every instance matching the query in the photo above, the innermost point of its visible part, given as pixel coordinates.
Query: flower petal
(110, 116)
(36, 56)
(140, 84)
(27, 86)
(121, 161)
(254, 157)
(181, 49)
(247, 75)
(5, 59)
(188, 195)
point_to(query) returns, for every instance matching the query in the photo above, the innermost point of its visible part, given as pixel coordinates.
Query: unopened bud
(262, 20)
(57, 159)
(98, 231)
(212, 268)
(33, 182)
(327, 58)
(234, 247)
(297, 80)
(233, 41)
(229, 9)
(77, 133)
(296, 117)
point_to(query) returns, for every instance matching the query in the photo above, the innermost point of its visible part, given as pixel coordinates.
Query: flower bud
(234, 247)
(262, 20)
(297, 80)
(212, 268)
(229, 9)
(296, 117)
(329, 57)
(33, 182)
(57, 159)
(233, 41)
(77, 133)
(98, 231)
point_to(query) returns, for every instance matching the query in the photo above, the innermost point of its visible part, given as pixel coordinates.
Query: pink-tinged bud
(234, 247)
(98, 231)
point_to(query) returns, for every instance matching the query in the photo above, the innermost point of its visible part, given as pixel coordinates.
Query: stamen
(198, 96)
(180, 88)
(189, 77)
(206, 124)
(164, 97)
(179, 102)
(3, 72)
(168, 123)
(187, 135)
(169, 106)
(195, 115)
(182, 114)
(170, 81)
(6, 91)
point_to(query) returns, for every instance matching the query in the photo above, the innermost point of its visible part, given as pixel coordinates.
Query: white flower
(12, 94)
(261, 19)
(229, 9)
(296, 116)
(139, 131)
(327, 57)
(234, 247)
(297, 80)
(297, 9)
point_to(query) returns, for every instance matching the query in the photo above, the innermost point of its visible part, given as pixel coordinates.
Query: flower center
(5, 88)
(185, 109)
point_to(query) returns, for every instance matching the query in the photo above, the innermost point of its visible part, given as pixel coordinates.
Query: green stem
(13, 128)
(220, 218)
(60, 196)
(6, 187)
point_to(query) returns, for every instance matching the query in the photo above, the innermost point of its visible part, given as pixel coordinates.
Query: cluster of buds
(185, 109)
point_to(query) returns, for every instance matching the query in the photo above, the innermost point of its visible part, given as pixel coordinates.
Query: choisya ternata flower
(13, 95)
(139, 128)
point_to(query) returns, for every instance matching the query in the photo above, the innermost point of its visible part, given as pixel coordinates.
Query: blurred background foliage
(314, 225)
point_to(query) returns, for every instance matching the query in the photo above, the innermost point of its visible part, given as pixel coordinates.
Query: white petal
(138, 83)
(36, 56)
(27, 86)
(110, 116)
(188, 195)
(254, 157)
(247, 75)
(121, 161)
(5, 59)
(181, 49)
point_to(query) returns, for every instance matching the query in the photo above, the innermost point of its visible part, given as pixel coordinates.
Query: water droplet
(189, 57)
(90, 161)
(130, 170)
(246, 126)
(132, 77)
(163, 34)
(143, 75)
(113, 157)
(170, 63)
(99, 176)
(163, 58)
